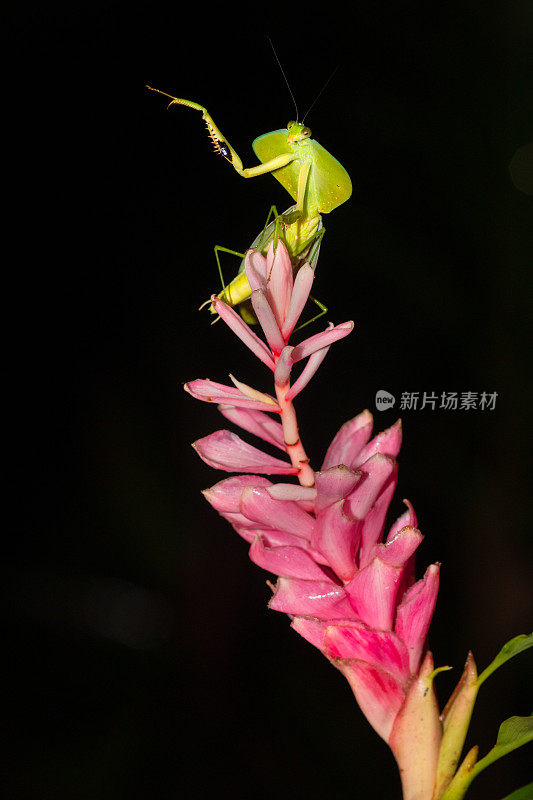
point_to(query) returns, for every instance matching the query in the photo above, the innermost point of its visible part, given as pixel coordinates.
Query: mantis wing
(330, 182)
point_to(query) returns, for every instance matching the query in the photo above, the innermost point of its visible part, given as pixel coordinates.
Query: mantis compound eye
(306, 132)
(290, 124)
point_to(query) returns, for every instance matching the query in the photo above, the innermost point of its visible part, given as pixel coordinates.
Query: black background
(143, 660)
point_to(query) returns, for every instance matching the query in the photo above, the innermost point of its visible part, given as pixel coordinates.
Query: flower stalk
(291, 437)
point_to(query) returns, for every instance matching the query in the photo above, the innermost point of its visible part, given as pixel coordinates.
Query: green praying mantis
(312, 176)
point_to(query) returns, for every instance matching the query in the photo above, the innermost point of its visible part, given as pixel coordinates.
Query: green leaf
(509, 650)
(513, 733)
(525, 793)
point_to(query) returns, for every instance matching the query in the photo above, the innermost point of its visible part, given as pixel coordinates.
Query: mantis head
(297, 132)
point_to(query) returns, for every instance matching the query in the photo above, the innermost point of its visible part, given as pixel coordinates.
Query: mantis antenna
(320, 92)
(284, 76)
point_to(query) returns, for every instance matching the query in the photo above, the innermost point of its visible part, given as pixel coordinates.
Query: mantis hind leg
(273, 212)
(323, 310)
(219, 249)
(238, 291)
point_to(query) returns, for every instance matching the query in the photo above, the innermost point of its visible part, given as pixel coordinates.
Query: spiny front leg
(222, 145)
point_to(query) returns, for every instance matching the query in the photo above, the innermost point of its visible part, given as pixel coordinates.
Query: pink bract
(349, 590)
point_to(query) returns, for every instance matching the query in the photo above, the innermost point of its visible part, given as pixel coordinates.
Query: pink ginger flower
(348, 591)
